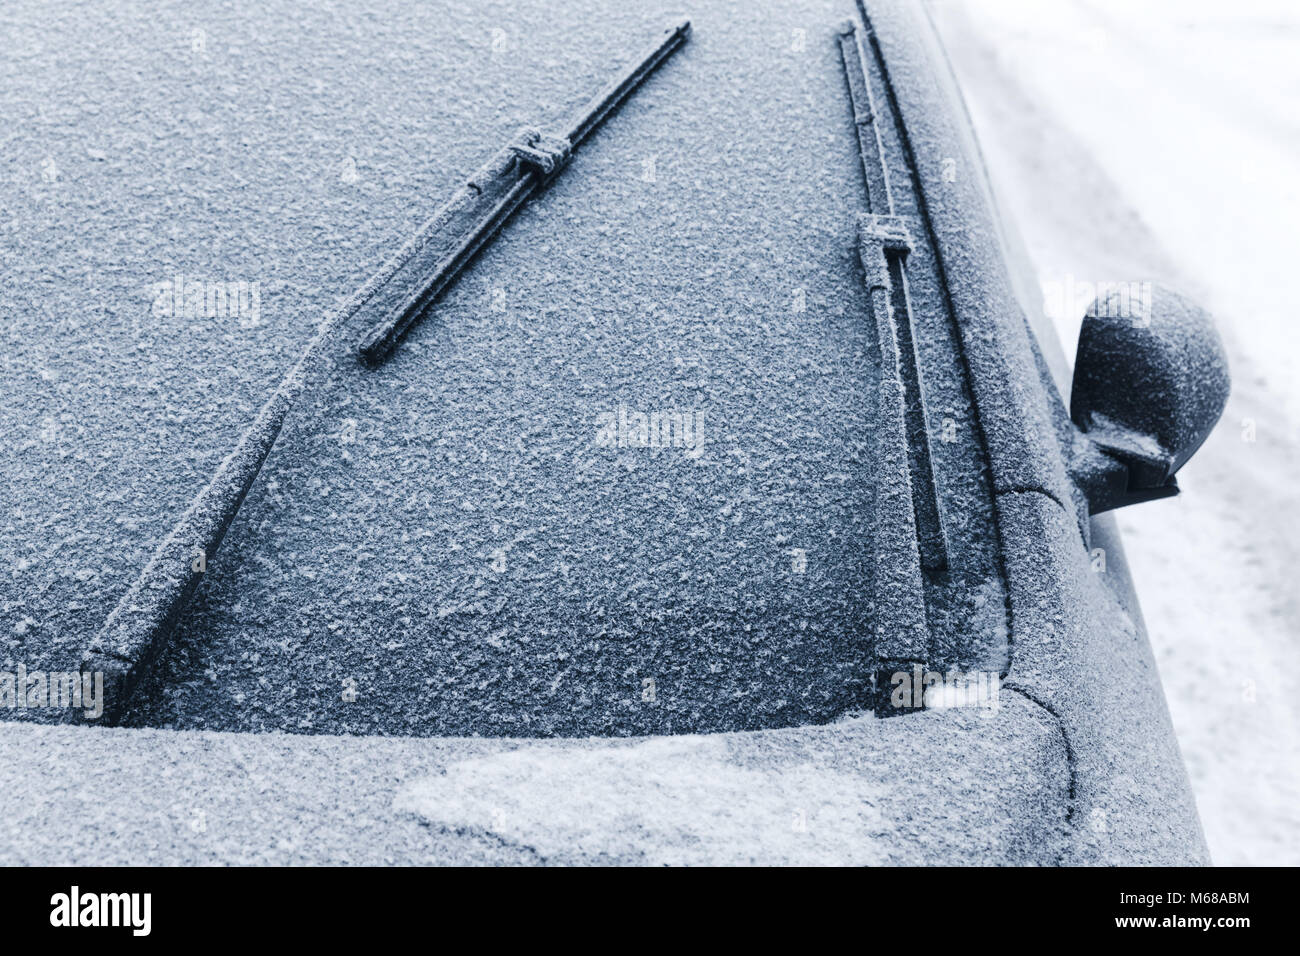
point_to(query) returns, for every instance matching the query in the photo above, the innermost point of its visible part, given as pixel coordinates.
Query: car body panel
(974, 788)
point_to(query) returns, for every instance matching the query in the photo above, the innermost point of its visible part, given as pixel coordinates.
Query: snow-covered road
(1158, 139)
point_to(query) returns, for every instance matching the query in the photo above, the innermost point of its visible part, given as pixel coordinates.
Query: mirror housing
(1150, 382)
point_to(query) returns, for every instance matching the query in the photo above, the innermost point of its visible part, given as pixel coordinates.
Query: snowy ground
(1158, 140)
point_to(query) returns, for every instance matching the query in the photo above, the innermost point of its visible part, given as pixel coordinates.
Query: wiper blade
(522, 167)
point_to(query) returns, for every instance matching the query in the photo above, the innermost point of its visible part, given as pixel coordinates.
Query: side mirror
(1150, 382)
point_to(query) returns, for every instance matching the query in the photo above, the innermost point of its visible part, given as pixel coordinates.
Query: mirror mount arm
(1108, 481)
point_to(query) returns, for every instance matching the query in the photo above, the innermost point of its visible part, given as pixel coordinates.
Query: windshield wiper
(140, 626)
